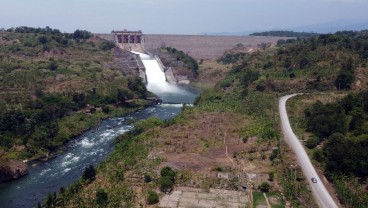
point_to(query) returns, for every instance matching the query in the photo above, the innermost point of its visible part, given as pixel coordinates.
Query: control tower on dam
(129, 40)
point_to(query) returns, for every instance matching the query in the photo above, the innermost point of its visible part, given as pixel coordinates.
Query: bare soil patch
(210, 150)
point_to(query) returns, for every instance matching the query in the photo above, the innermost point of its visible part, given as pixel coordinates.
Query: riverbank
(91, 148)
(10, 171)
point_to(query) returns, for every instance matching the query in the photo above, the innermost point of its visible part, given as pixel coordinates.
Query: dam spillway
(156, 83)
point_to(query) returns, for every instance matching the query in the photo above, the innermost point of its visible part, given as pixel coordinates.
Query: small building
(125, 36)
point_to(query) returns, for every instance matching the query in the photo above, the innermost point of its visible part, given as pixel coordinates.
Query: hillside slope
(49, 79)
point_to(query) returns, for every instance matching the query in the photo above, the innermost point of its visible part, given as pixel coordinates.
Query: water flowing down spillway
(93, 146)
(157, 83)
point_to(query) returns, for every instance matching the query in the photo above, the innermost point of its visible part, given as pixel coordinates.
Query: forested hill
(323, 63)
(50, 80)
(285, 33)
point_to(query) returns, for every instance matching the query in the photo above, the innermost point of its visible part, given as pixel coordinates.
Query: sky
(179, 16)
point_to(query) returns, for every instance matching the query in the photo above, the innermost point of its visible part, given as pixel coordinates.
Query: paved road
(322, 196)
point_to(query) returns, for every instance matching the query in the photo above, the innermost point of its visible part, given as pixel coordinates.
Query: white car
(314, 180)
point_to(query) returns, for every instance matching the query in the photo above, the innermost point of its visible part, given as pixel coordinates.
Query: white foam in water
(175, 105)
(65, 163)
(86, 143)
(122, 131)
(45, 171)
(67, 156)
(106, 134)
(156, 77)
(92, 153)
(74, 160)
(66, 170)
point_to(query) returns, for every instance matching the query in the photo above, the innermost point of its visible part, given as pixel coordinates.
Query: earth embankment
(204, 46)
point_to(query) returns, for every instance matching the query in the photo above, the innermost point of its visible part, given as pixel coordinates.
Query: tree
(344, 80)
(81, 34)
(80, 100)
(122, 95)
(89, 174)
(42, 39)
(325, 119)
(136, 85)
(346, 76)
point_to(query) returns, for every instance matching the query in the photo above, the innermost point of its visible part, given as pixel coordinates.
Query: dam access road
(320, 192)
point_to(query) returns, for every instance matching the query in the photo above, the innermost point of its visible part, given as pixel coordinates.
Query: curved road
(322, 196)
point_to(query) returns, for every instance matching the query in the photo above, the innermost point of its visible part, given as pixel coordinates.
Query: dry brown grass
(211, 72)
(211, 141)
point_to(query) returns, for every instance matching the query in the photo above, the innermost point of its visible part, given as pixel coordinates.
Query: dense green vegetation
(231, 58)
(343, 127)
(190, 62)
(54, 86)
(321, 63)
(285, 33)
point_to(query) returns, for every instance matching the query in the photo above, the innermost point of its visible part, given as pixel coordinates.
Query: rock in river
(12, 169)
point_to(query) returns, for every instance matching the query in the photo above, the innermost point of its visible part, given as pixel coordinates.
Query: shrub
(147, 178)
(264, 187)
(53, 66)
(312, 142)
(168, 172)
(107, 45)
(166, 184)
(152, 197)
(92, 110)
(271, 176)
(101, 196)
(89, 173)
(245, 139)
(274, 154)
(105, 108)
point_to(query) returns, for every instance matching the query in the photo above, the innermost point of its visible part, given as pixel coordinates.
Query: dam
(129, 40)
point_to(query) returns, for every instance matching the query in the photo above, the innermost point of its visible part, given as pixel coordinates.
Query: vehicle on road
(323, 198)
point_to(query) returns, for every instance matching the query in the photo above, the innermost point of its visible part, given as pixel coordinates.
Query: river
(93, 146)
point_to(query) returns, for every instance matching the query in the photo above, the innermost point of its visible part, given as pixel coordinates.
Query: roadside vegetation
(340, 130)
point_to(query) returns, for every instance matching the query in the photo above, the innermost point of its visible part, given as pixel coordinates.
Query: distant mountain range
(328, 27)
